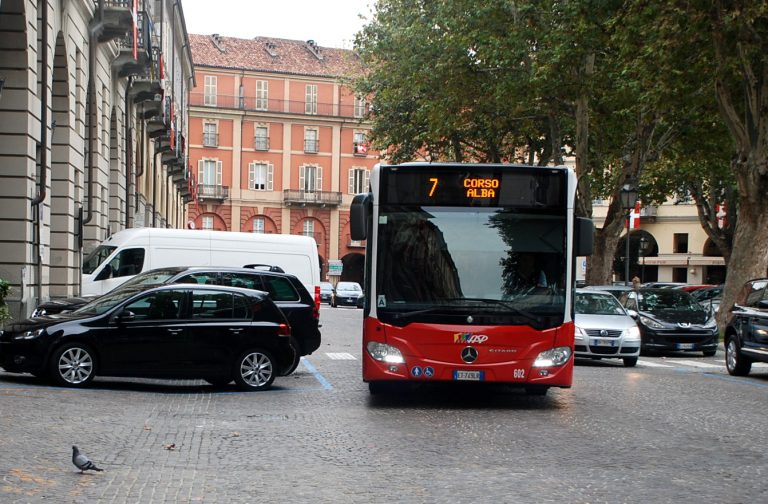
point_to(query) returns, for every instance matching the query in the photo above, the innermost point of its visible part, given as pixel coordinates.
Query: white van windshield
(97, 257)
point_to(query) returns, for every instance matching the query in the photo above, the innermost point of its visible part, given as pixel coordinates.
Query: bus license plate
(684, 346)
(468, 375)
(605, 342)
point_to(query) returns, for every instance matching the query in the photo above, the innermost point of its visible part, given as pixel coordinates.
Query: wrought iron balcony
(251, 103)
(212, 192)
(135, 56)
(311, 146)
(117, 20)
(317, 198)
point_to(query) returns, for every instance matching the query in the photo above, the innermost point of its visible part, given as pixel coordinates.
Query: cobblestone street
(662, 432)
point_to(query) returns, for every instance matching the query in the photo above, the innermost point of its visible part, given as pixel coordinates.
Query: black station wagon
(215, 333)
(746, 335)
(286, 290)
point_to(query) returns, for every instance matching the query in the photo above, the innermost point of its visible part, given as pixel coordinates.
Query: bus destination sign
(529, 187)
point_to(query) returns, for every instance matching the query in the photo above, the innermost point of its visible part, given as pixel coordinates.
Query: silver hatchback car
(603, 328)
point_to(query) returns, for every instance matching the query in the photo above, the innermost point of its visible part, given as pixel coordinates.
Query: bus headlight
(385, 353)
(554, 357)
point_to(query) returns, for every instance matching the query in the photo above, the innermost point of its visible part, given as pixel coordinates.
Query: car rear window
(280, 289)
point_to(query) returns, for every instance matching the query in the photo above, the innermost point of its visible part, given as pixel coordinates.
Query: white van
(132, 251)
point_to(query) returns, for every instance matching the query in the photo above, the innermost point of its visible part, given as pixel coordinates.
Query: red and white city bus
(469, 273)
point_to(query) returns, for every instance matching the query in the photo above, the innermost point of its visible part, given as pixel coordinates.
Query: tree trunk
(749, 256)
(600, 264)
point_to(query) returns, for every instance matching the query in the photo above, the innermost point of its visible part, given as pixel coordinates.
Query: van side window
(280, 289)
(126, 263)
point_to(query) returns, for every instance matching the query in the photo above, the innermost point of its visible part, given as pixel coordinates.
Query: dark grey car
(746, 335)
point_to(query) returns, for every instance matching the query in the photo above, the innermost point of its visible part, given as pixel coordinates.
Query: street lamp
(628, 195)
(644, 244)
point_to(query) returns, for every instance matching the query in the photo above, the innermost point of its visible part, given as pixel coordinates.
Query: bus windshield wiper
(400, 315)
(505, 304)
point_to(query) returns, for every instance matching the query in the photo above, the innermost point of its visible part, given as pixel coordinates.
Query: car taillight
(316, 311)
(284, 330)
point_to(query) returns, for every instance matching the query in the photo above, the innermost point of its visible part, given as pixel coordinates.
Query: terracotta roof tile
(287, 56)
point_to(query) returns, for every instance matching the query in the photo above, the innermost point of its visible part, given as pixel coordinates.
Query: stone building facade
(93, 126)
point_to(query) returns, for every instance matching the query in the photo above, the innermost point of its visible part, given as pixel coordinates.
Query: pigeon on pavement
(82, 462)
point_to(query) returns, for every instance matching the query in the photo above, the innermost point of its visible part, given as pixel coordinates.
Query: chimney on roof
(314, 49)
(270, 47)
(216, 39)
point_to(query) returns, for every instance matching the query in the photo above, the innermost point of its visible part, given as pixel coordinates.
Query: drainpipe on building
(93, 32)
(140, 164)
(154, 189)
(42, 193)
(128, 151)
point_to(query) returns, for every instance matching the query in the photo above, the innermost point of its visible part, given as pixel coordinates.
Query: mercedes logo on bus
(469, 355)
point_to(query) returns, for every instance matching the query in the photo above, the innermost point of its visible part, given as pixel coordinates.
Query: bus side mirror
(584, 237)
(360, 214)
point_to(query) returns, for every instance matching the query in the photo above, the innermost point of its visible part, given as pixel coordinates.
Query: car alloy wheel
(73, 365)
(255, 370)
(737, 364)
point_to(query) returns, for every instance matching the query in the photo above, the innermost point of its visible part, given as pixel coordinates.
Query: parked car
(693, 287)
(616, 290)
(664, 285)
(287, 291)
(348, 294)
(670, 319)
(327, 292)
(709, 297)
(604, 328)
(746, 335)
(215, 333)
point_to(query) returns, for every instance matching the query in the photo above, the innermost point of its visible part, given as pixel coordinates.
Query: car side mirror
(125, 316)
(632, 313)
(763, 304)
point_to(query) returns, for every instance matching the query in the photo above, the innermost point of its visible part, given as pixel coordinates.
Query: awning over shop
(682, 260)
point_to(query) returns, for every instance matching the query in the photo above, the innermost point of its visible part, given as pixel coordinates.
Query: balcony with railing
(210, 139)
(311, 146)
(315, 198)
(207, 192)
(249, 103)
(135, 57)
(117, 20)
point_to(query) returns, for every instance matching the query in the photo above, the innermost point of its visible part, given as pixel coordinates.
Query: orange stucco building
(277, 143)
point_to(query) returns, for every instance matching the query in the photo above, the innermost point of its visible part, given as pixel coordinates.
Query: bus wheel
(534, 390)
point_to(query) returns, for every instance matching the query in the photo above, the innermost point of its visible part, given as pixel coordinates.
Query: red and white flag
(634, 217)
(720, 213)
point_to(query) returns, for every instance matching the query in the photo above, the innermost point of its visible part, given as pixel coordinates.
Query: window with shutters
(358, 180)
(262, 93)
(360, 144)
(310, 100)
(258, 225)
(209, 91)
(260, 176)
(261, 138)
(310, 178)
(311, 142)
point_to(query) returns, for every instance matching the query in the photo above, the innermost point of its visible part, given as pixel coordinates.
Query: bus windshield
(487, 260)
(97, 257)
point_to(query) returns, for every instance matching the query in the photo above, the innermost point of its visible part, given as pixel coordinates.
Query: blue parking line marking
(319, 377)
(734, 379)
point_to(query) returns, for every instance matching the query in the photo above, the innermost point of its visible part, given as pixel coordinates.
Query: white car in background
(604, 328)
